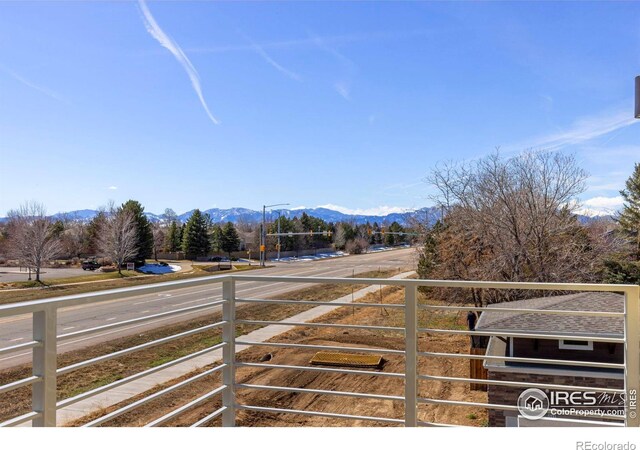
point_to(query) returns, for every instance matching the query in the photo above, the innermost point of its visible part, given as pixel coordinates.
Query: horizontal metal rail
(432, 401)
(319, 303)
(564, 312)
(17, 347)
(126, 351)
(522, 335)
(19, 383)
(21, 419)
(433, 424)
(321, 369)
(70, 401)
(140, 319)
(321, 392)
(176, 412)
(13, 309)
(519, 384)
(444, 283)
(318, 325)
(523, 360)
(112, 415)
(208, 418)
(499, 407)
(319, 413)
(322, 347)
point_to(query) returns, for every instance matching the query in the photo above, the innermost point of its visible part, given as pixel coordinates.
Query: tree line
(124, 234)
(515, 219)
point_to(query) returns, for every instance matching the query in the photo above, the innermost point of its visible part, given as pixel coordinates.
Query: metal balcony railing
(43, 345)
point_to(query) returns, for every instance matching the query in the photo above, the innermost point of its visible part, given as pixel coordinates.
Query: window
(566, 344)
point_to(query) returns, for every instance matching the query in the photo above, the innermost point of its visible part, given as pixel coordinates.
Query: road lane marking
(16, 339)
(68, 328)
(109, 319)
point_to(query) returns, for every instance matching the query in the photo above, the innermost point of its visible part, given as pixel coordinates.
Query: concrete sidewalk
(121, 393)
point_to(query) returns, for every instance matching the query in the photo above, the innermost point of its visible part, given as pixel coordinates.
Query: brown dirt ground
(460, 415)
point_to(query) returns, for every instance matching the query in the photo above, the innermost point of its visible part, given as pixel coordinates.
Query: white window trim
(564, 346)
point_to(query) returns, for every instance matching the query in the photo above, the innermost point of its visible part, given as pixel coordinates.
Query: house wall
(506, 395)
(549, 348)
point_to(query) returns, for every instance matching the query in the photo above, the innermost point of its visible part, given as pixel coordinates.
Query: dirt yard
(461, 415)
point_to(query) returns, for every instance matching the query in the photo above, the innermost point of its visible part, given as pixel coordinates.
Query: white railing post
(411, 348)
(632, 355)
(44, 366)
(229, 353)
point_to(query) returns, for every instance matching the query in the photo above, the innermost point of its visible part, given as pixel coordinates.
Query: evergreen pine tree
(174, 239)
(230, 240)
(143, 227)
(195, 239)
(216, 238)
(629, 218)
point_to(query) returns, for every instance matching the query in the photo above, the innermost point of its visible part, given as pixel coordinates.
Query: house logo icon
(533, 404)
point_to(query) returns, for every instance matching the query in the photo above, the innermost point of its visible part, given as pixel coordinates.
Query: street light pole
(279, 215)
(263, 233)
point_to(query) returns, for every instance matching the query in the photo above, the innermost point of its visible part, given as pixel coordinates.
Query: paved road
(11, 274)
(15, 330)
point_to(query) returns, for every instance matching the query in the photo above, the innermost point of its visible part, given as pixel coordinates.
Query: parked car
(90, 265)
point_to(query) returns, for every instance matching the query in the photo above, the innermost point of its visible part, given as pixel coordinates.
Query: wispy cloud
(46, 91)
(112, 188)
(165, 40)
(265, 56)
(311, 41)
(582, 130)
(343, 89)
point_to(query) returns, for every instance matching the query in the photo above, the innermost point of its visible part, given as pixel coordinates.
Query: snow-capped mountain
(248, 215)
(235, 215)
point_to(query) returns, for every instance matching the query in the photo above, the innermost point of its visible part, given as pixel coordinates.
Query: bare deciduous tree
(118, 237)
(513, 220)
(32, 237)
(74, 236)
(158, 239)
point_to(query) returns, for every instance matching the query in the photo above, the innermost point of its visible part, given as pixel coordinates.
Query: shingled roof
(494, 320)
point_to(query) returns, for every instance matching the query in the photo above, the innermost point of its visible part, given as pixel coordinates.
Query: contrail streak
(156, 32)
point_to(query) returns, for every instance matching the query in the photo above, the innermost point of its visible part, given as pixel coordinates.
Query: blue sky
(224, 104)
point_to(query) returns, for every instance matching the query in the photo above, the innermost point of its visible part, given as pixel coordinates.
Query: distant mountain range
(328, 215)
(235, 215)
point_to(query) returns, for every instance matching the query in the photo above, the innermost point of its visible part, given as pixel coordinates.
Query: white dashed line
(68, 328)
(16, 339)
(109, 319)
